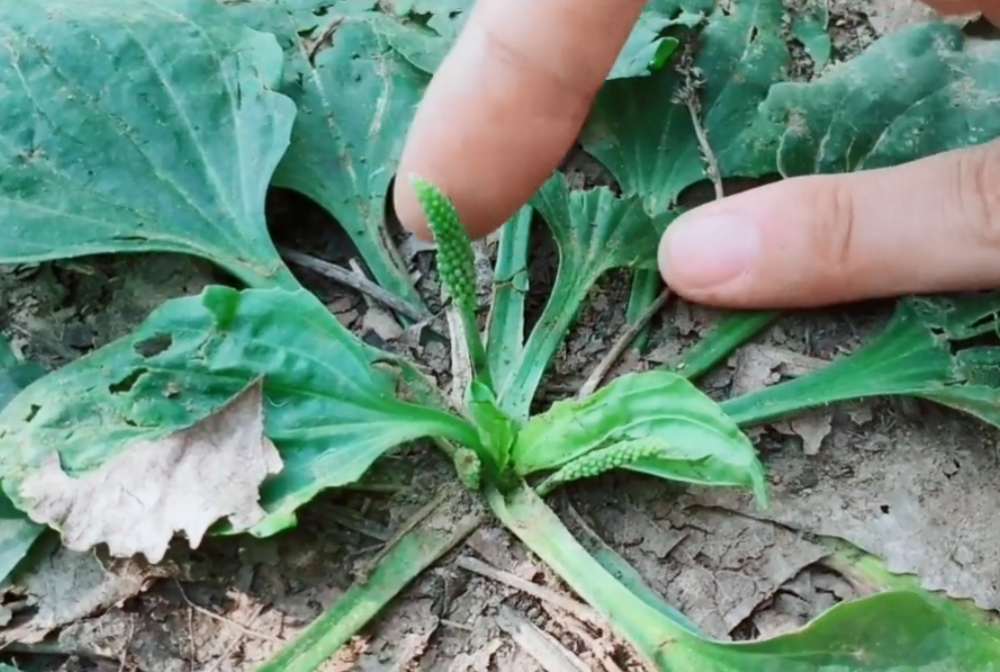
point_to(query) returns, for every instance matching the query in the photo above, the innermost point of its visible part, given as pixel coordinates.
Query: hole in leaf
(128, 382)
(884, 509)
(32, 412)
(154, 345)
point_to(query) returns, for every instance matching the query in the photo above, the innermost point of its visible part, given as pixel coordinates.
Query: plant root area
(908, 481)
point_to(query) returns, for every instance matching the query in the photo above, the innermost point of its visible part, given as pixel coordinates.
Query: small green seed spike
(456, 265)
(599, 461)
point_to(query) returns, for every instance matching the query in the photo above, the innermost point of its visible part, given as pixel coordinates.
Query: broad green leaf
(17, 532)
(595, 232)
(331, 401)
(699, 444)
(921, 91)
(903, 631)
(134, 125)
(646, 138)
(356, 98)
(428, 29)
(942, 349)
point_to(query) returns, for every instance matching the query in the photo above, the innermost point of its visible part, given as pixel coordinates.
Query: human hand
(511, 97)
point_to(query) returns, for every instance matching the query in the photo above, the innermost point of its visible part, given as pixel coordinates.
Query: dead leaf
(68, 586)
(812, 427)
(924, 502)
(381, 322)
(758, 366)
(184, 482)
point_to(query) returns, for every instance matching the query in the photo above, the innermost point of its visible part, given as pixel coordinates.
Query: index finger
(507, 102)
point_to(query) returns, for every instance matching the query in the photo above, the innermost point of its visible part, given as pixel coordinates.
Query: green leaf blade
(331, 402)
(94, 161)
(924, 90)
(356, 98)
(645, 137)
(700, 444)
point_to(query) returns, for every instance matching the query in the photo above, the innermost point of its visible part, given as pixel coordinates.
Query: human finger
(932, 225)
(507, 102)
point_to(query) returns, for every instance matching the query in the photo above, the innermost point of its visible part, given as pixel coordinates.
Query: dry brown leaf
(184, 482)
(67, 586)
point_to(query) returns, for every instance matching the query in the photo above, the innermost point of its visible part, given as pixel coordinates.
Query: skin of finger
(956, 7)
(932, 225)
(507, 103)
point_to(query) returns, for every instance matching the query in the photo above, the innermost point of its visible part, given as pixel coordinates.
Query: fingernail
(703, 251)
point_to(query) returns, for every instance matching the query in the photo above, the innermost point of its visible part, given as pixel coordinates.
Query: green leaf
(331, 401)
(429, 29)
(17, 532)
(699, 443)
(356, 98)
(942, 349)
(172, 154)
(646, 139)
(595, 232)
(914, 93)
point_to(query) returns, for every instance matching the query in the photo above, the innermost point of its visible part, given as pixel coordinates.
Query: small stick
(711, 162)
(354, 281)
(228, 621)
(611, 357)
(540, 645)
(578, 609)
(578, 629)
(323, 37)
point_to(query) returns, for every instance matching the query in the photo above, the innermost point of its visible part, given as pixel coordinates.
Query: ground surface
(905, 480)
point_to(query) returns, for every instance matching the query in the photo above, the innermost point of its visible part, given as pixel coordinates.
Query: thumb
(932, 225)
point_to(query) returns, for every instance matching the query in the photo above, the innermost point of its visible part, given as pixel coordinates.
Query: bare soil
(909, 481)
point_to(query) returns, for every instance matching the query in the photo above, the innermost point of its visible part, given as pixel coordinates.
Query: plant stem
(439, 423)
(411, 554)
(655, 638)
(517, 393)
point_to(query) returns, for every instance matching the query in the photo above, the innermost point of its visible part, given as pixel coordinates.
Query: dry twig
(354, 281)
(608, 361)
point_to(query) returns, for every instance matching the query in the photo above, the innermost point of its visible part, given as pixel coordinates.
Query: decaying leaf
(67, 586)
(185, 482)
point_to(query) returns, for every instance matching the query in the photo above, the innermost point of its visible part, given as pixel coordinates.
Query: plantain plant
(221, 102)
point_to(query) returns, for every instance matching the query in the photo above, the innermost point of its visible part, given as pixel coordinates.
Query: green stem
(568, 293)
(409, 556)
(439, 423)
(721, 342)
(659, 641)
(474, 343)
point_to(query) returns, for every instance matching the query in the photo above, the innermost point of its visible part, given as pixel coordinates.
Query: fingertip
(507, 103)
